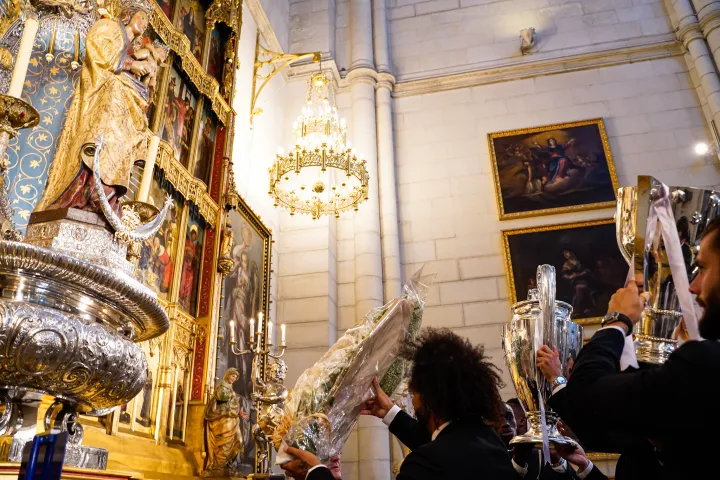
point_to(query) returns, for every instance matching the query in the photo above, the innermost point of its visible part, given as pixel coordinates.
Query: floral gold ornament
(320, 174)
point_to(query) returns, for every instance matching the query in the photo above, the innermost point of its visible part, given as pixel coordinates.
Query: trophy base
(538, 440)
(534, 433)
(654, 340)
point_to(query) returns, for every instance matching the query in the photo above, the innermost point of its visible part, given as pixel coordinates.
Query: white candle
(282, 335)
(147, 175)
(23, 56)
(270, 332)
(232, 331)
(260, 324)
(252, 329)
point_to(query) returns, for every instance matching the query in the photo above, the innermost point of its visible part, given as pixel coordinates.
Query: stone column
(389, 227)
(373, 438)
(690, 33)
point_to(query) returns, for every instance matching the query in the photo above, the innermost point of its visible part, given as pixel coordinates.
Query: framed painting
(553, 169)
(246, 290)
(191, 22)
(216, 56)
(180, 107)
(588, 264)
(191, 263)
(168, 8)
(206, 143)
(156, 264)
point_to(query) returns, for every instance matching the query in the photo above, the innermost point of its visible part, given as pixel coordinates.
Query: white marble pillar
(389, 227)
(689, 32)
(373, 438)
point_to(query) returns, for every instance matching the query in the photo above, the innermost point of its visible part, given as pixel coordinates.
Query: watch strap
(618, 317)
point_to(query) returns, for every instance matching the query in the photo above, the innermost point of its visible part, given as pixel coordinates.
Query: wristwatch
(618, 317)
(559, 380)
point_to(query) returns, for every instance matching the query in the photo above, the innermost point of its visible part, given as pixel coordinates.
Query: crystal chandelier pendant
(320, 174)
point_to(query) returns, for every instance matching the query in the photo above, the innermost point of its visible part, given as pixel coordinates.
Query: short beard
(709, 326)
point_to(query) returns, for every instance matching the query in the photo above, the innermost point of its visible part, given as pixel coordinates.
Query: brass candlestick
(262, 350)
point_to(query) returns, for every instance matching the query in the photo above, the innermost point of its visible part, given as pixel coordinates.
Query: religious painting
(168, 7)
(138, 415)
(206, 143)
(553, 169)
(246, 295)
(180, 109)
(191, 22)
(157, 254)
(588, 264)
(216, 57)
(191, 263)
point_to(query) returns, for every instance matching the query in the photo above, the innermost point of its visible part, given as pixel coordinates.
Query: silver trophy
(519, 344)
(656, 335)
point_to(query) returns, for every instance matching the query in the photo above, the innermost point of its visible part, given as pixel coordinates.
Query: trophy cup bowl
(559, 331)
(655, 334)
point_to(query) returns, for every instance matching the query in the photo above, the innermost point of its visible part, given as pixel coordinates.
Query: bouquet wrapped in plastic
(328, 397)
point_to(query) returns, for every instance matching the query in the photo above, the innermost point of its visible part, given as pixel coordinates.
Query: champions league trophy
(642, 235)
(539, 320)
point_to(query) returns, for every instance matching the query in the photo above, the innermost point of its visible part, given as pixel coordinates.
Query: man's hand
(548, 361)
(244, 415)
(378, 406)
(304, 461)
(628, 302)
(576, 456)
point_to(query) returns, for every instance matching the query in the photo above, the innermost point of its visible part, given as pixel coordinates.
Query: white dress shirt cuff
(562, 468)
(522, 471)
(587, 471)
(558, 388)
(315, 468)
(619, 329)
(390, 415)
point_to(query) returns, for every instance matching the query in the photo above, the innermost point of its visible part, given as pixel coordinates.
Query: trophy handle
(625, 222)
(546, 294)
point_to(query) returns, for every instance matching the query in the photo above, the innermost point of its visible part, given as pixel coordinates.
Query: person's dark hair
(515, 402)
(454, 378)
(713, 226)
(683, 227)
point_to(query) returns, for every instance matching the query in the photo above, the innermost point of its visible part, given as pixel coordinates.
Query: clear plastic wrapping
(328, 397)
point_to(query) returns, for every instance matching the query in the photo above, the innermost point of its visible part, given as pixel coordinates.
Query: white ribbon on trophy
(538, 344)
(661, 212)
(628, 357)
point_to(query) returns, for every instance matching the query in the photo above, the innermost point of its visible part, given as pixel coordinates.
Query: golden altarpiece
(160, 432)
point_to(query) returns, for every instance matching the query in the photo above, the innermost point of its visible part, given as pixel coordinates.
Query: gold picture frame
(582, 180)
(589, 266)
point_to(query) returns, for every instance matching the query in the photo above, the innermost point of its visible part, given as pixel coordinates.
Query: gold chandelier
(320, 174)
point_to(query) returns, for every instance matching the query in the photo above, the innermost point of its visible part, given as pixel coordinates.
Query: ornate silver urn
(520, 343)
(692, 209)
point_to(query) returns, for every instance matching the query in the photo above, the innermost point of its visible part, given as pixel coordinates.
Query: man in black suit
(456, 399)
(657, 404)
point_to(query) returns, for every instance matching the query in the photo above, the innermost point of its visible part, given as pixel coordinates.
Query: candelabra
(268, 391)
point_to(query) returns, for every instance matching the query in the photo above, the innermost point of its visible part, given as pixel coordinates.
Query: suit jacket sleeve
(409, 431)
(596, 474)
(321, 474)
(603, 397)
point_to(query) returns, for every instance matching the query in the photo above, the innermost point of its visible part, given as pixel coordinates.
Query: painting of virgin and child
(553, 169)
(589, 266)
